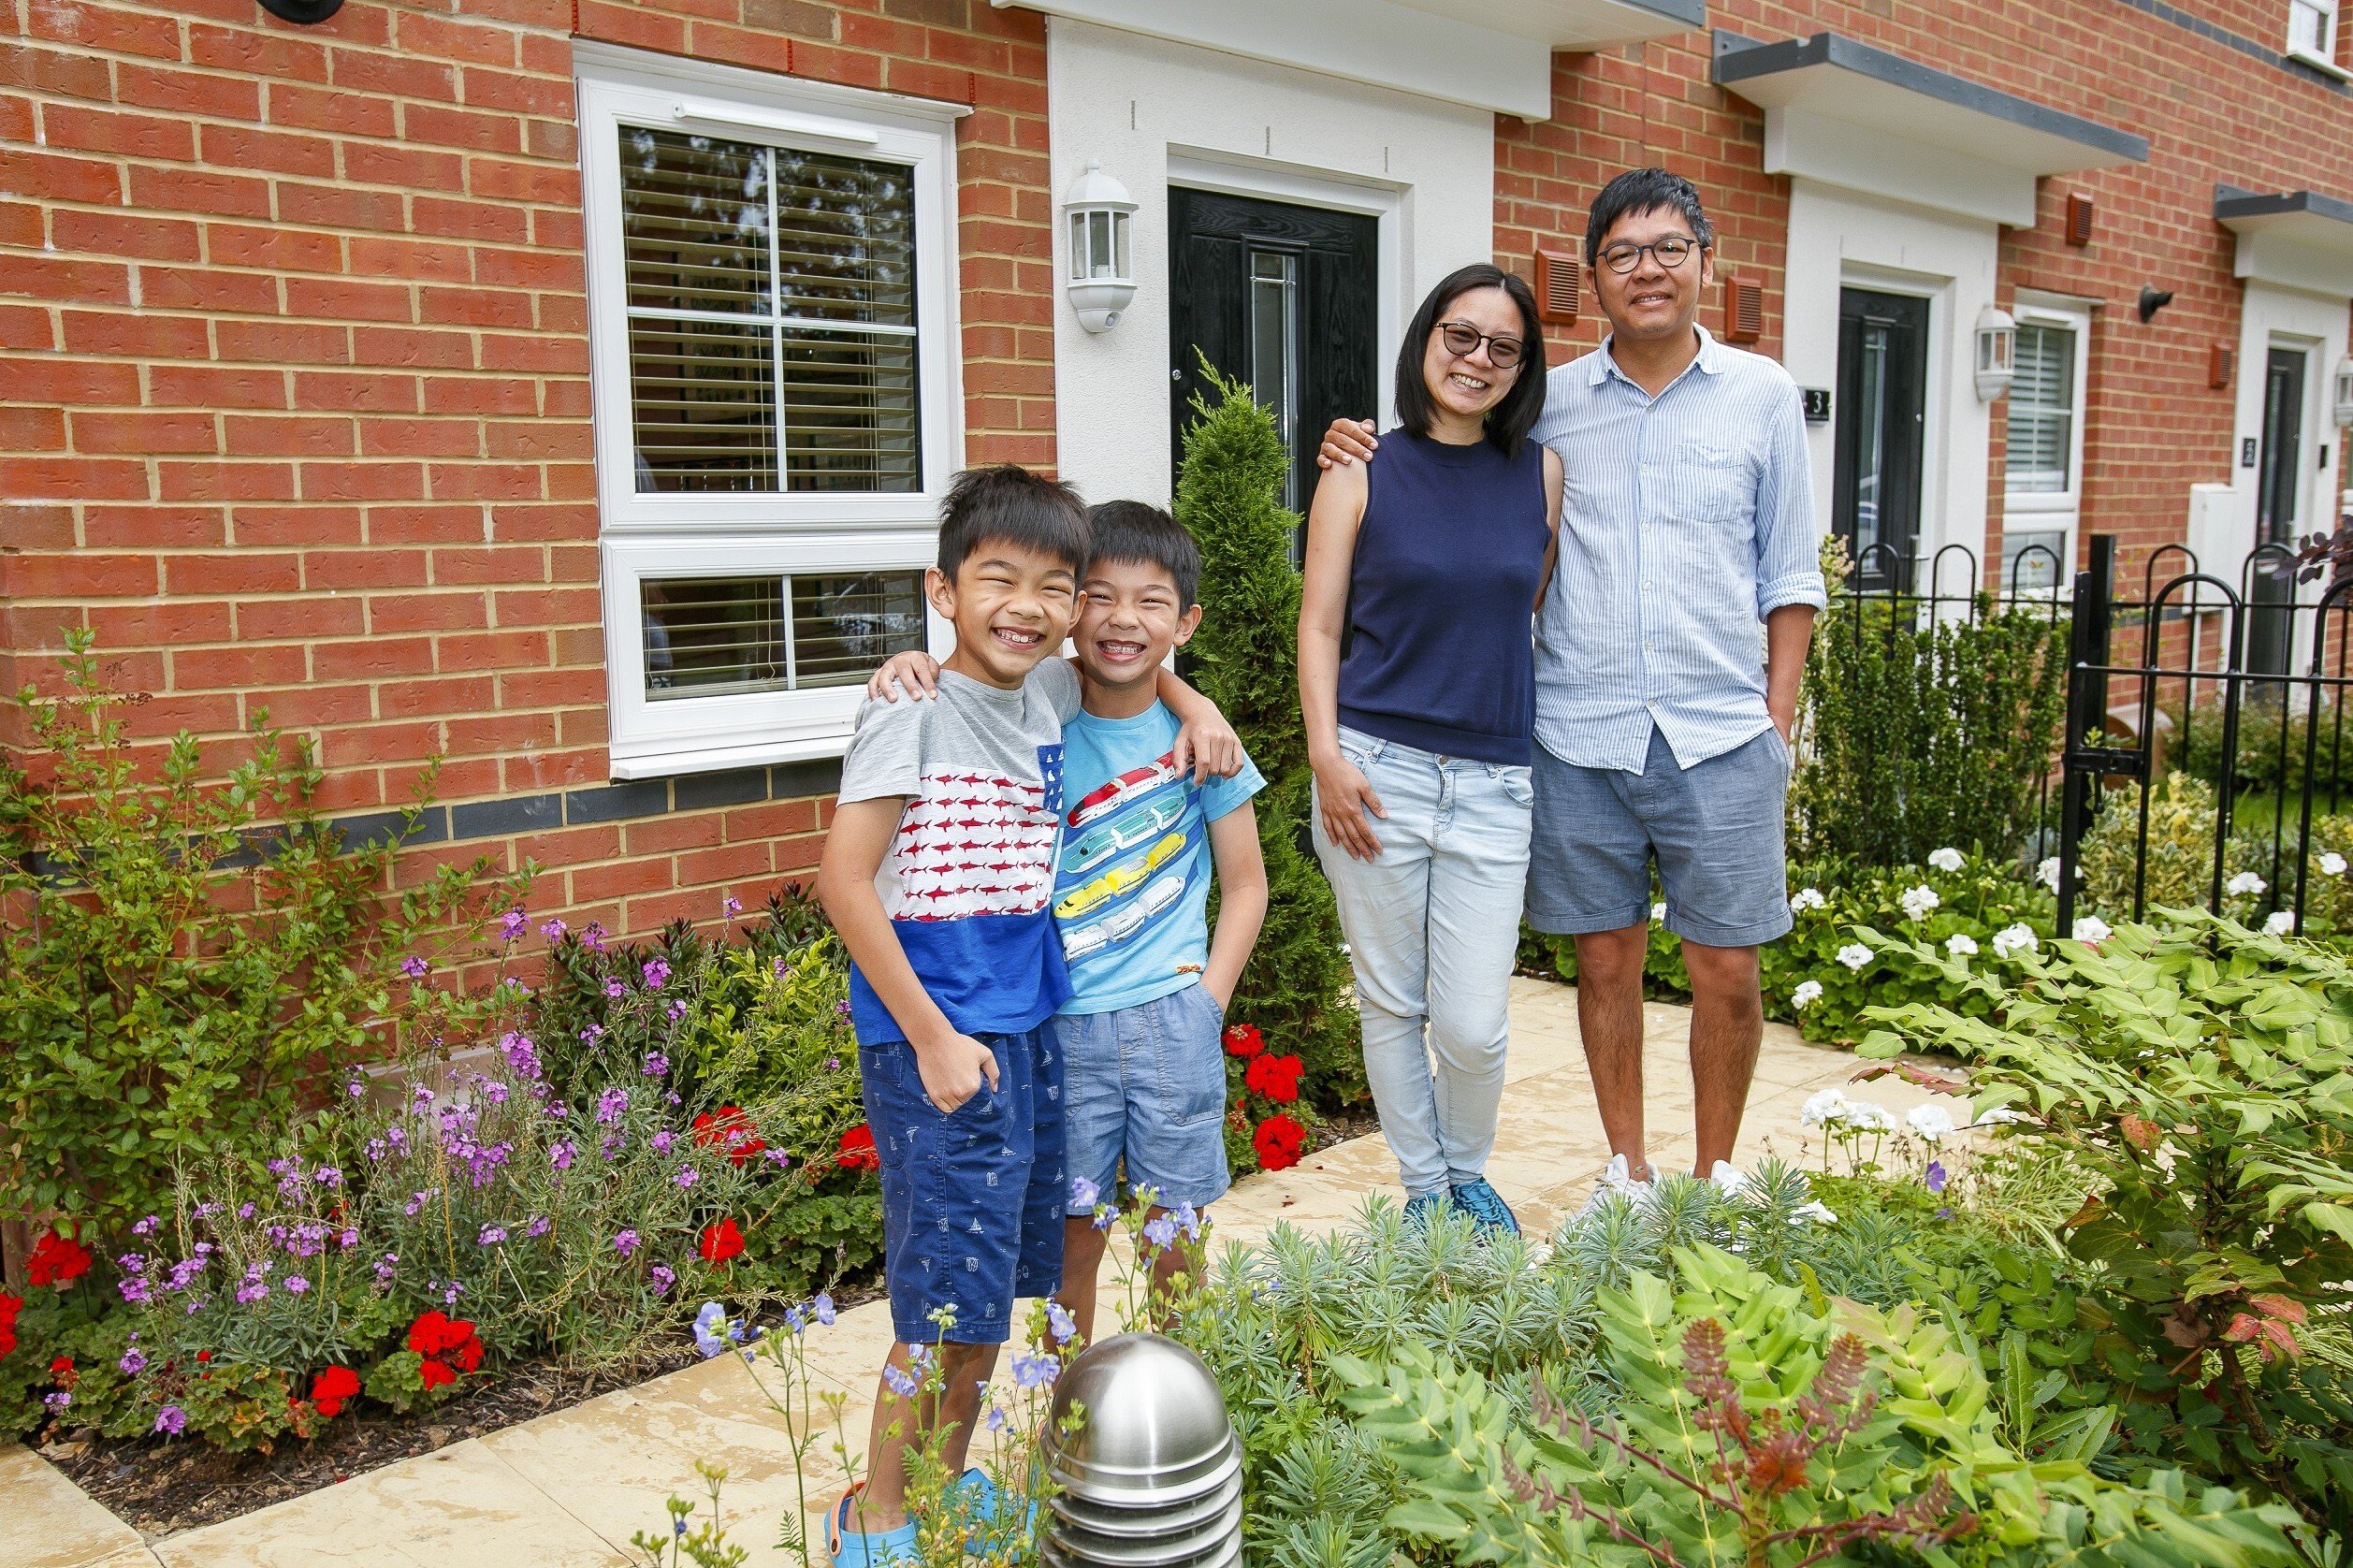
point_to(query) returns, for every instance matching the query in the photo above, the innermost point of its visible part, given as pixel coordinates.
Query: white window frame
(2325, 57)
(683, 534)
(2052, 511)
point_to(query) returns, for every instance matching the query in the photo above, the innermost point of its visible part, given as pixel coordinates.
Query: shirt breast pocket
(1717, 483)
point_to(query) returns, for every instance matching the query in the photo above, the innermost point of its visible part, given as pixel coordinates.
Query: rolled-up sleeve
(1789, 556)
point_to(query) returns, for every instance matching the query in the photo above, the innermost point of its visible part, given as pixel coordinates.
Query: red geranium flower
(720, 1241)
(729, 1130)
(444, 1342)
(433, 1375)
(56, 1260)
(467, 1356)
(10, 1307)
(1275, 1077)
(332, 1388)
(858, 1152)
(1242, 1040)
(1277, 1142)
(61, 1367)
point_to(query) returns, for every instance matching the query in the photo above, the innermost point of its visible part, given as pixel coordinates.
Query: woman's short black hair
(1130, 531)
(1645, 190)
(1010, 503)
(1514, 414)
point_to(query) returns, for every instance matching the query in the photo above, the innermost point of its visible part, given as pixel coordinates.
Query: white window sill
(672, 761)
(2321, 63)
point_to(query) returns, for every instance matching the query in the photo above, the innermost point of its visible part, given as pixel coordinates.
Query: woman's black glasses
(1670, 251)
(1463, 339)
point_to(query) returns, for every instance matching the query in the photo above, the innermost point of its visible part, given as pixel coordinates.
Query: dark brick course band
(510, 815)
(2229, 39)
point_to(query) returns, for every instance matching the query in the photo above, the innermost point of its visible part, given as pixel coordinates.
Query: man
(1687, 519)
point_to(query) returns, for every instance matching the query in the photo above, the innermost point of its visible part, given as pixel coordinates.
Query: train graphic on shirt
(1123, 866)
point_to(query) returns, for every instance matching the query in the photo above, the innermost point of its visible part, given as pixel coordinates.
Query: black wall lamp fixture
(302, 12)
(2154, 300)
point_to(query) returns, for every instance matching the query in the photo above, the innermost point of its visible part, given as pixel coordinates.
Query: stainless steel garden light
(1152, 1478)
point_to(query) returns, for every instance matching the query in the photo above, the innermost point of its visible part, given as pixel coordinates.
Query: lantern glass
(2345, 392)
(1119, 245)
(1996, 345)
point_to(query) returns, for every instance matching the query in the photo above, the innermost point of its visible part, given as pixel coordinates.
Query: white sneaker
(1728, 1180)
(1617, 1181)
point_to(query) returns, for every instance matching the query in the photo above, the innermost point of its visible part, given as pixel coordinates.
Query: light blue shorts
(1146, 1085)
(1714, 828)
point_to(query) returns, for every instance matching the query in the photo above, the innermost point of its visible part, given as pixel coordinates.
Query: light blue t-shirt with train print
(1131, 886)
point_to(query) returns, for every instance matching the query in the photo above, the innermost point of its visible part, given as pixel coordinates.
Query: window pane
(709, 636)
(850, 419)
(2041, 423)
(2031, 560)
(694, 222)
(702, 404)
(1274, 344)
(843, 627)
(846, 238)
(2309, 27)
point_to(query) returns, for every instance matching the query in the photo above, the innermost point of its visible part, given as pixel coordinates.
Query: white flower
(1997, 1116)
(1870, 1116)
(2015, 938)
(2048, 873)
(2332, 864)
(1811, 898)
(2091, 928)
(1820, 1214)
(1805, 995)
(1945, 860)
(1931, 1122)
(1854, 955)
(2244, 882)
(1822, 1109)
(2280, 923)
(1539, 1254)
(1918, 901)
(1658, 911)
(1961, 945)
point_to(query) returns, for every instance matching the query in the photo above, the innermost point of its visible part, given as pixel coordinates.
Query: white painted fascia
(1800, 142)
(2278, 255)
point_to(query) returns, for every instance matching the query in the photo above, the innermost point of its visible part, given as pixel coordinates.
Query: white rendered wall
(1838, 238)
(1131, 103)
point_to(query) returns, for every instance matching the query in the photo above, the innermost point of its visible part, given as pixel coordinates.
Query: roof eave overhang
(2296, 239)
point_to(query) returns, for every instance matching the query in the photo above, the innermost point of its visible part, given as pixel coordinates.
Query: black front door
(1283, 298)
(1883, 415)
(2271, 596)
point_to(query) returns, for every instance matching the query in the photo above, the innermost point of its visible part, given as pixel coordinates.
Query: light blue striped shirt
(1686, 518)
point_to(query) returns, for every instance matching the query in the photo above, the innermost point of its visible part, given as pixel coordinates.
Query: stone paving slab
(571, 1487)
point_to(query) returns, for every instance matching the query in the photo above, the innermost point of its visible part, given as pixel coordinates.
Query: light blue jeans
(1433, 927)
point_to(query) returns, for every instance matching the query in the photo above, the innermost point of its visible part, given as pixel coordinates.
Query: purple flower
(779, 968)
(610, 1104)
(131, 1263)
(562, 1153)
(328, 1176)
(594, 936)
(592, 1034)
(655, 1064)
(376, 1150)
(385, 1266)
(57, 1402)
(491, 1234)
(522, 1056)
(395, 1135)
(687, 1176)
(662, 1142)
(244, 1211)
(348, 1240)
(776, 1157)
(134, 1361)
(414, 967)
(663, 1278)
(450, 1295)
(355, 1088)
(1161, 1232)
(554, 929)
(729, 909)
(898, 1381)
(616, 989)
(1935, 1176)
(136, 1292)
(511, 924)
(296, 1285)
(823, 1308)
(146, 1227)
(1060, 1323)
(625, 1242)
(1084, 1194)
(171, 1420)
(539, 1227)
(657, 974)
(252, 1291)
(1034, 1371)
(677, 1010)
(842, 1006)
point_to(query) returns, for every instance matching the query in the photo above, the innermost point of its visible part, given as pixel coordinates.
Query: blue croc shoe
(1485, 1205)
(1424, 1207)
(984, 1504)
(881, 1549)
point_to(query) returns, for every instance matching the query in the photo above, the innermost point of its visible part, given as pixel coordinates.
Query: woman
(1417, 683)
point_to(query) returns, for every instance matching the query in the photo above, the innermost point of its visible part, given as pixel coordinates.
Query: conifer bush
(1245, 658)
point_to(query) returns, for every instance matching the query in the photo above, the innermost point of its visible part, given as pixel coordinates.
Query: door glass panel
(1870, 436)
(2041, 424)
(1275, 346)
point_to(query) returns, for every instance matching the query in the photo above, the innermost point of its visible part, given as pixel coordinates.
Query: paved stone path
(567, 1490)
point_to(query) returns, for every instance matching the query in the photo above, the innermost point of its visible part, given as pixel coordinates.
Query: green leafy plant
(2177, 858)
(2200, 1075)
(1917, 730)
(186, 956)
(1245, 658)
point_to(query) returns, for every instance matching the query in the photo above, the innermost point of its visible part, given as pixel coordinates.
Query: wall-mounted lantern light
(302, 13)
(1100, 280)
(1996, 353)
(2345, 392)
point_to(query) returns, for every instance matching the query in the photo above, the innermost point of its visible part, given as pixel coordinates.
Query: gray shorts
(1715, 830)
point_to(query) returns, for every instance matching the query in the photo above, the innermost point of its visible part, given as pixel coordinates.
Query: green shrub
(2268, 762)
(185, 959)
(1296, 987)
(2178, 863)
(2202, 1076)
(1917, 734)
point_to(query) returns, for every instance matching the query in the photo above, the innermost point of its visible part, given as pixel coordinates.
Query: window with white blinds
(2043, 410)
(2312, 29)
(775, 388)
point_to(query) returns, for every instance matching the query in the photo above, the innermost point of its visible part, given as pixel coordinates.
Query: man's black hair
(1011, 504)
(1515, 414)
(1130, 531)
(1645, 190)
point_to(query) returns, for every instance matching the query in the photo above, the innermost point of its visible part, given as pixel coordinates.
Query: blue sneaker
(1485, 1205)
(1422, 1210)
(881, 1549)
(984, 1504)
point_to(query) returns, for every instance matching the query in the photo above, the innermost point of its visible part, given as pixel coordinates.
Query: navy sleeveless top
(1442, 596)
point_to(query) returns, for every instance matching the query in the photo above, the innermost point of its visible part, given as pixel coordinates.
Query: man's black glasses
(1670, 253)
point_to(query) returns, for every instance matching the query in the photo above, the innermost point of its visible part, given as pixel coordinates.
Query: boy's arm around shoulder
(1204, 737)
(1242, 899)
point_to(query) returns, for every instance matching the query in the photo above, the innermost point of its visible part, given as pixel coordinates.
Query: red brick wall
(294, 413)
(2211, 113)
